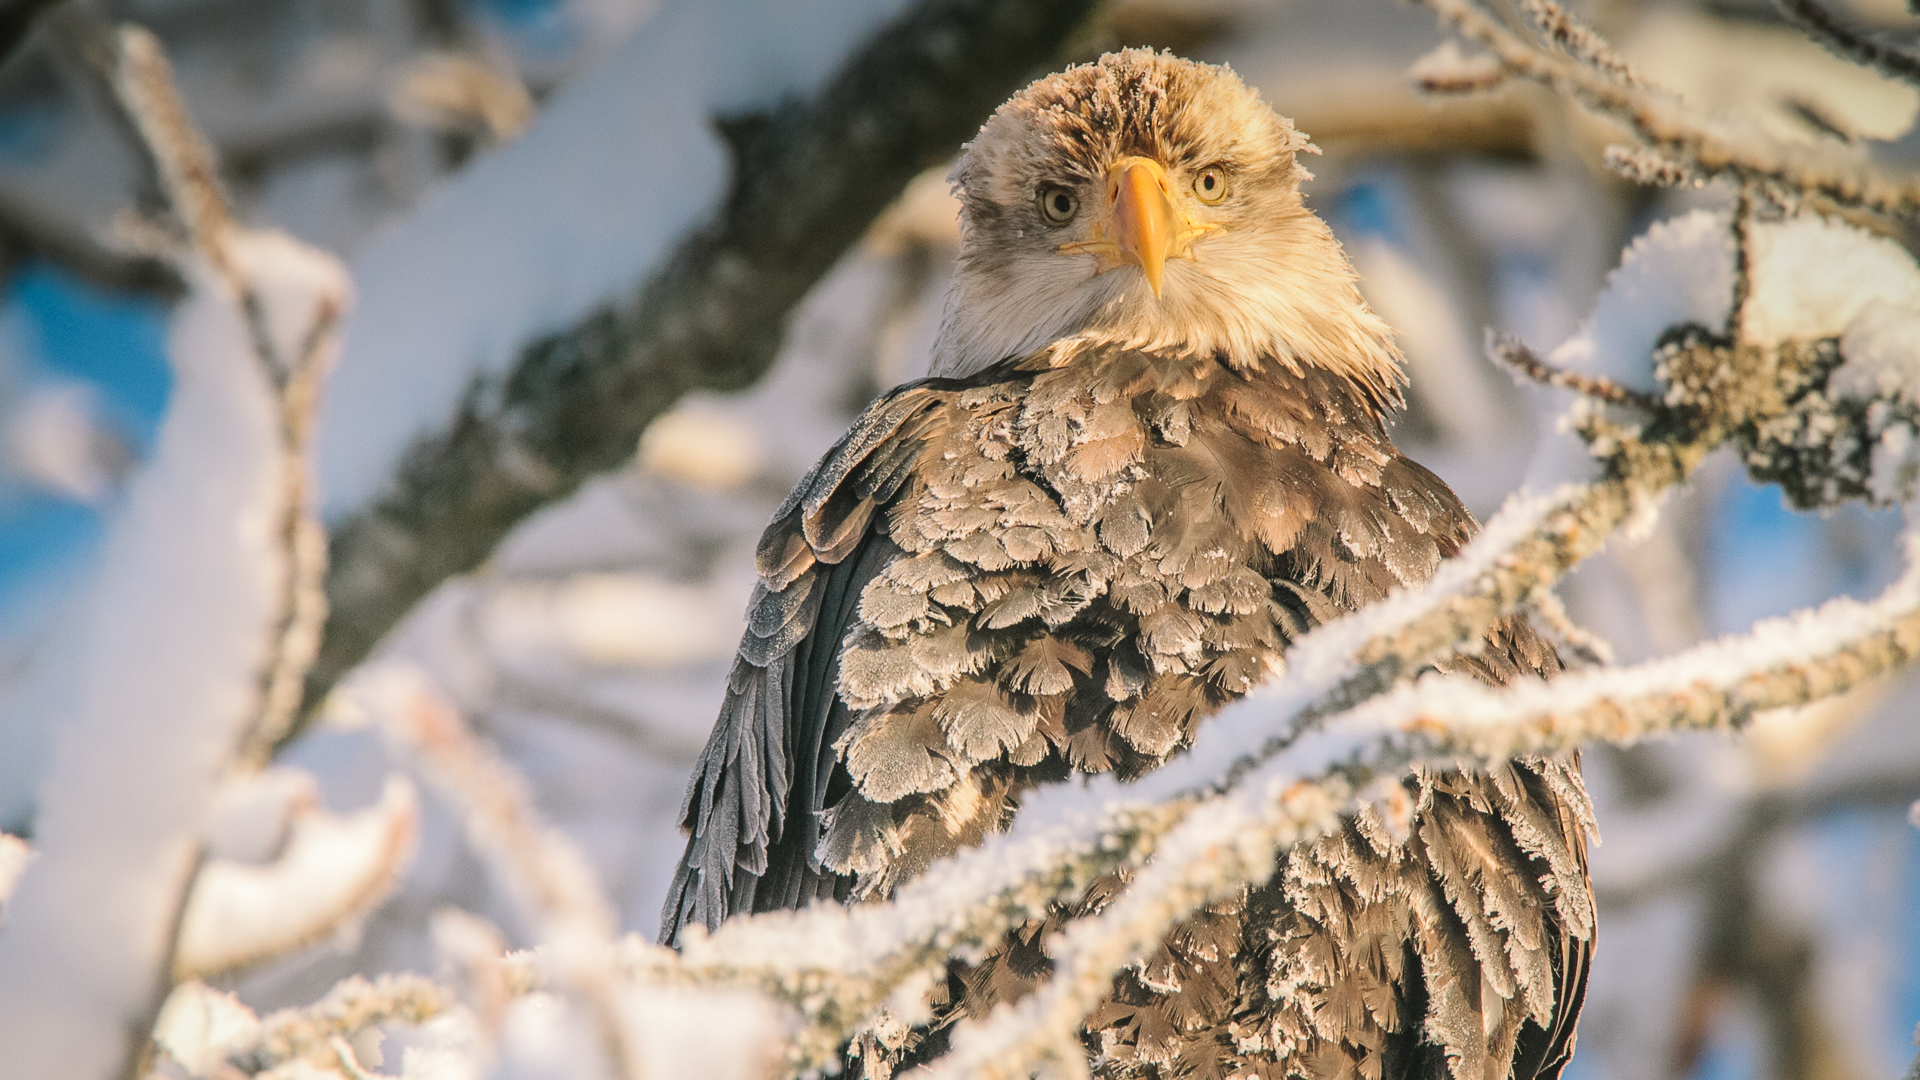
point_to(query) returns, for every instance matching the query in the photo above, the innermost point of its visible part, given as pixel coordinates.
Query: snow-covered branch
(548, 877)
(1706, 148)
(142, 82)
(1819, 24)
(808, 176)
(190, 653)
(1197, 834)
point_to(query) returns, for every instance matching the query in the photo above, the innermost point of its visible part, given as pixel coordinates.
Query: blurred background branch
(806, 182)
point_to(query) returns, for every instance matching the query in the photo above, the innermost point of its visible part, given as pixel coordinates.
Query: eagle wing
(754, 803)
(1063, 564)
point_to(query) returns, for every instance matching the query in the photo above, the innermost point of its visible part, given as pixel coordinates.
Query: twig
(1668, 128)
(1819, 24)
(1586, 645)
(548, 878)
(1559, 26)
(1644, 166)
(1514, 353)
(30, 229)
(1742, 228)
(807, 181)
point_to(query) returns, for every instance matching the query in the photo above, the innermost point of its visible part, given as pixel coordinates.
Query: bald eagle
(1153, 453)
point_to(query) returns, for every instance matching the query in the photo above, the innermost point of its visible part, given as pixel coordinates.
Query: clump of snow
(1811, 275)
(1882, 347)
(15, 854)
(1448, 69)
(544, 1038)
(1678, 272)
(333, 868)
(199, 1027)
(701, 446)
(713, 1034)
(1842, 304)
(54, 439)
(635, 620)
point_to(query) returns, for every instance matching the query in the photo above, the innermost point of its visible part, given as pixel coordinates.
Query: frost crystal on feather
(1148, 472)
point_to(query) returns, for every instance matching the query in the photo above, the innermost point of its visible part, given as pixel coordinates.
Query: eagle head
(1155, 202)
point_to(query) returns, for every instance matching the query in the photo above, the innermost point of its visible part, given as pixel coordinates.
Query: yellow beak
(1143, 226)
(1143, 215)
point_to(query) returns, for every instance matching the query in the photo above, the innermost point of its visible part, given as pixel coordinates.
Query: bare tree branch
(807, 180)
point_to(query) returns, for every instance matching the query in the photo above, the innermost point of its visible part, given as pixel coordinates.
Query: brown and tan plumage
(1153, 456)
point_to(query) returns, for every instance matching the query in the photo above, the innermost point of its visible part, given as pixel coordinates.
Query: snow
(1678, 272)
(252, 815)
(631, 620)
(54, 439)
(199, 1026)
(1882, 347)
(15, 854)
(620, 164)
(332, 870)
(168, 656)
(1812, 275)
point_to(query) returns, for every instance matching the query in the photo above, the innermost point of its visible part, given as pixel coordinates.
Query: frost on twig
(1579, 41)
(1448, 70)
(1515, 354)
(1644, 166)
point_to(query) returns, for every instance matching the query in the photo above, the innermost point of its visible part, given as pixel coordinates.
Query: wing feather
(754, 803)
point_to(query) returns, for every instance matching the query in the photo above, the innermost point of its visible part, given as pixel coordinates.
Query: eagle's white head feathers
(1152, 201)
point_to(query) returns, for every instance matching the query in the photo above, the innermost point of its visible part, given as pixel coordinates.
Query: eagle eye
(1210, 184)
(1058, 205)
